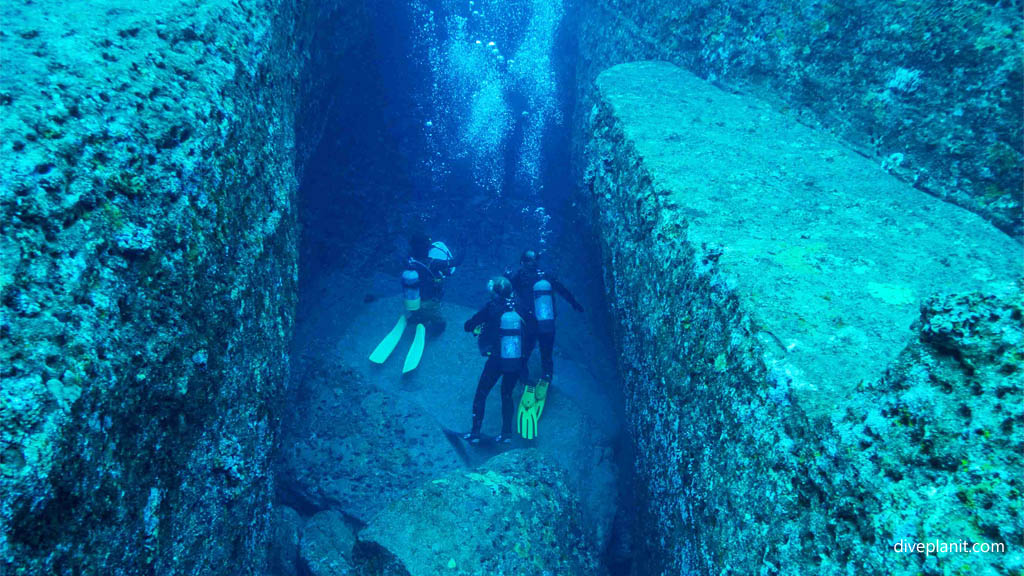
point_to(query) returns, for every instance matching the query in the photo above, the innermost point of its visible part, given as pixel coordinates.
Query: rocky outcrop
(765, 281)
(348, 446)
(933, 449)
(514, 515)
(931, 93)
(286, 534)
(326, 547)
(147, 186)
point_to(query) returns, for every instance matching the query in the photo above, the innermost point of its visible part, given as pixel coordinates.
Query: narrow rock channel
(789, 339)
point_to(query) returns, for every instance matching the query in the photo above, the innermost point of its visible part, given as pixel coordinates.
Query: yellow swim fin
(412, 359)
(540, 394)
(526, 418)
(387, 345)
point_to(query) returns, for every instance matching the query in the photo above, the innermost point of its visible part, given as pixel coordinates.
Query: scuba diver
(535, 290)
(499, 330)
(429, 264)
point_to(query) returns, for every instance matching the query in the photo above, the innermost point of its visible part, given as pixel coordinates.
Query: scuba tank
(411, 290)
(544, 306)
(511, 334)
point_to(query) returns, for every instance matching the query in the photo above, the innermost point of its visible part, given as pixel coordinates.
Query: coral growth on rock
(794, 410)
(148, 280)
(940, 84)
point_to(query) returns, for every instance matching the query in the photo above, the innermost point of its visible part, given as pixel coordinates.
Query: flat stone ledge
(829, 254)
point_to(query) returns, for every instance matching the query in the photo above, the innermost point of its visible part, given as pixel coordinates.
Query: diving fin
(412, 359)
(387, 345)
(526, 418)
(540, 394)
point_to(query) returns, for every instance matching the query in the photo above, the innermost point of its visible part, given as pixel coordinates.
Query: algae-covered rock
(147, 186)
(940, 454)
(514, 515)
(351, 447)
(931, 91)
(285, 534)
(767, 286)
(326, 547)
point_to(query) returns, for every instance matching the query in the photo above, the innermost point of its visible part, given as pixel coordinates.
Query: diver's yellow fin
(387, 345)
(412, 359)
(541, 395)
(526, 418)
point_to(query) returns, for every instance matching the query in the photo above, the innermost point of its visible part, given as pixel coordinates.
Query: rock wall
(148, 183)
(932, 93)
(796, 408)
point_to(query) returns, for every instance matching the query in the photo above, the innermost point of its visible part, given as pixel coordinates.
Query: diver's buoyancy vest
(511, 341)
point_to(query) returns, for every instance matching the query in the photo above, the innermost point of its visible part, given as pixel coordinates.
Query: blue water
(459, 127)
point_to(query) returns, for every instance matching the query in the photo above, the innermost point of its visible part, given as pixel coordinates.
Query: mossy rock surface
(931, 91)
(826, 251)
(804, 341)
(147, 186)
(326, 546)
(285, 533)
(352, 447)
(514, 515)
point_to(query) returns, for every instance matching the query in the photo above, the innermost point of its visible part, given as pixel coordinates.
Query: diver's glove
(577, 306)
(475, 330)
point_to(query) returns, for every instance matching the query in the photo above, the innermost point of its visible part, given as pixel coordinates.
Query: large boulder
(326, 547)
(514, 515)
(354, 448)
(764, 279)
(285, 533)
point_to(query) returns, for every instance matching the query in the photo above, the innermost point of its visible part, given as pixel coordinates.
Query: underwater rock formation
(326, 547)
(763, 278)
(351, 447)
(931, 91)
(576, 434)
(148, 279)
(514, 515)
(286, 534)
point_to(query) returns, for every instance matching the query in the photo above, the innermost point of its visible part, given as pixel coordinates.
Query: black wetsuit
(522, 283)
(490, 346)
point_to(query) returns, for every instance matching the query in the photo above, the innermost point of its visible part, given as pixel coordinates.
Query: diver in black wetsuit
(537, 307)
(500, 341)
(433, 262)
(422, 286)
